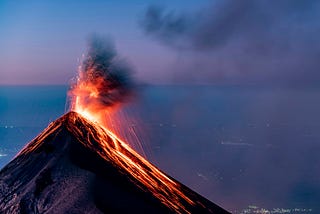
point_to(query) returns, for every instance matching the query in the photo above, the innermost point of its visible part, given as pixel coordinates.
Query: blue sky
(191, 41)
(42, 41)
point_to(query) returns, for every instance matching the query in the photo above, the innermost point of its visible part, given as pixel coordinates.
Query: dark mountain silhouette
(75, 166)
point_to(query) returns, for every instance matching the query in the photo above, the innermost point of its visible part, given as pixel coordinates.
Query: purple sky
(168, 41)
(42, 41)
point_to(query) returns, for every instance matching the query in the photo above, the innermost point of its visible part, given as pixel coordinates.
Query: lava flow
(101, 86)
(99, 89)
(144, 174)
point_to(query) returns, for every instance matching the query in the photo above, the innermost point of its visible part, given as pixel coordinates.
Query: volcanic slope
(76, 166)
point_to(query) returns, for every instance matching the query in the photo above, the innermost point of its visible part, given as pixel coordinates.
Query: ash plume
(242, 41)
(104, 79)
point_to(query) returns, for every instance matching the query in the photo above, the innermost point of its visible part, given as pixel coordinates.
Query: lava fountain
(102, 85)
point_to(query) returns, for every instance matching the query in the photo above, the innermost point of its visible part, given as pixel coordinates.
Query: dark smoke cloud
(104, 79)
(244, 40)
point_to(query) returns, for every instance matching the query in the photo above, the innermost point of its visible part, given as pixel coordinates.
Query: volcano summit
(76, 166)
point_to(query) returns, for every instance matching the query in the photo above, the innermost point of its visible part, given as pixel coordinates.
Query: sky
(165, 42)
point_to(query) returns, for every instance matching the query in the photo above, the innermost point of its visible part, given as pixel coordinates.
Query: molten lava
(103, 83)
(120, 153)
(95, 95)
(143, 173)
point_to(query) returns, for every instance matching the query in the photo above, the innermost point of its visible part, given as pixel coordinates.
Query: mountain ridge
(103, 174)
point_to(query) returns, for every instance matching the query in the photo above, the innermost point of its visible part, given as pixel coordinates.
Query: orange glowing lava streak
(119, 153)
(126, 159)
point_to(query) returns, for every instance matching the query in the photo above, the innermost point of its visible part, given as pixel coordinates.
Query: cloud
(243, 41)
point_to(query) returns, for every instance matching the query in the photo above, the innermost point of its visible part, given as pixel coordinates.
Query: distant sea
(244, 148)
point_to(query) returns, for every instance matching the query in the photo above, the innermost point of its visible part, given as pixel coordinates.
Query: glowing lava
(86, 100)
(95, 95)
(120, 153)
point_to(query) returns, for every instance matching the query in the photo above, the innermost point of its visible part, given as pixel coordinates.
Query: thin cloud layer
(242, 41)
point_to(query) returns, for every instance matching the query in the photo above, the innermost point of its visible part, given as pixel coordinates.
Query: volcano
(76, 166)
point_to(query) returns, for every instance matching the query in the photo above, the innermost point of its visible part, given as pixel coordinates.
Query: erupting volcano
(78, 165)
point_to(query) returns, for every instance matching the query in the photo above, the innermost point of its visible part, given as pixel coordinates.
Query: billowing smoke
(104, 82)
(242, 40)
(104, 79)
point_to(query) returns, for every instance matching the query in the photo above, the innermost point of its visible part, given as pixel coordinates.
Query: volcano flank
(76, 166)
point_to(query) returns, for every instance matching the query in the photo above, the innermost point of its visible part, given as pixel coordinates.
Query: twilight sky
(167, 41)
